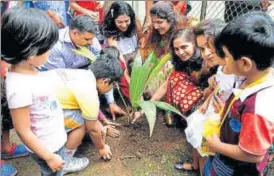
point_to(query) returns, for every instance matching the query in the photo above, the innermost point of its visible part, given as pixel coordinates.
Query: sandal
(15, 152)
(181, 166)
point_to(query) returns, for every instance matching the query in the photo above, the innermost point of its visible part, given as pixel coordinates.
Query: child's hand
(213, 142)
(111, 131)
(105, 152)
(217, 104)
(108, 122)
(55, 162)
(137, 115)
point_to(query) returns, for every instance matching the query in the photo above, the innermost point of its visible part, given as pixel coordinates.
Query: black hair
(163, 10)
(111, 50)
(195, 62)
(250, 35)
(116, 9)
(26, 32)
(83, 23)
(210, 28)
(107, 65)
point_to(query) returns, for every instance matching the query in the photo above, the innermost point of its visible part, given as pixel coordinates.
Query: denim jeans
(45, 169)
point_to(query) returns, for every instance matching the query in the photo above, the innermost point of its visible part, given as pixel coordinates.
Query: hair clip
(111, 11)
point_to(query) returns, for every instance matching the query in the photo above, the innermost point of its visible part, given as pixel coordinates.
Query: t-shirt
(76, 89)
(226, 83)
(250, 125)
(46, 115)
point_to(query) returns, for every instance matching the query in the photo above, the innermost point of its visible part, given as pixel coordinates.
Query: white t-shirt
(46, 115)
(128, 45)
(226, 83)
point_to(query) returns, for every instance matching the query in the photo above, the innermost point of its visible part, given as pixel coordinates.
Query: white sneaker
(75, 165)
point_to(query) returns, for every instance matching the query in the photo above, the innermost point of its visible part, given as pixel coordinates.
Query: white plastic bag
(195, 123)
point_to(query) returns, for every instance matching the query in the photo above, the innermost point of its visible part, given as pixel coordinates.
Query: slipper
(7, 169)
(181, 166)
(15, 152)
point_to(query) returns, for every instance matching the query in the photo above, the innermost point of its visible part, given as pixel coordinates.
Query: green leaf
(85, 52)
(138, 78)
(167, 107)
(150, 111)
(157, 68)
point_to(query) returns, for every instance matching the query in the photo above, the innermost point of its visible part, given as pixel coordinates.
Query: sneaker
(7, 169)
(75, 165)
(17, 150)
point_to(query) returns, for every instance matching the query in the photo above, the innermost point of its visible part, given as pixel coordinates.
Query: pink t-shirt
(46, 116)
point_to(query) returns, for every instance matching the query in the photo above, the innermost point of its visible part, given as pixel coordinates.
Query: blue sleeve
(95, 47)
(56, 59)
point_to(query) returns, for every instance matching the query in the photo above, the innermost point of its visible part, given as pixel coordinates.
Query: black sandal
(180, 166)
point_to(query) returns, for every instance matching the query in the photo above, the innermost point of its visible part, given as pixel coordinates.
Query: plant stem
(124, 102)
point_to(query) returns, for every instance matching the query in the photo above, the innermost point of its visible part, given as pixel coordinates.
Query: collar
(269, 82)
(64, 35)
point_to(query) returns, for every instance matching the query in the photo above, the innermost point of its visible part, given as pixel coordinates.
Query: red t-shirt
(92, 6)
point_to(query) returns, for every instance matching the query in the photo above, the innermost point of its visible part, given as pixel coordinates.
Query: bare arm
(55, 18)
(148, 5)
(94, 129)
(83, 10)
(232, 151)
(95, 132)
(160, 92)
(21, 122)
(78, 8)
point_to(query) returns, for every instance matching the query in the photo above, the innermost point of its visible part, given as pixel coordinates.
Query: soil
(134, 152)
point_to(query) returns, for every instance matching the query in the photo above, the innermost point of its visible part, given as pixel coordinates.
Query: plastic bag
(195, 123)
(210, 126)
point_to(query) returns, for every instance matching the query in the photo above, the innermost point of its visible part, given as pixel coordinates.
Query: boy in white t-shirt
(28, 34)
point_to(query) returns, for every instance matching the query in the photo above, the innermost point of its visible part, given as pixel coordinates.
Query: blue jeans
(45, 169)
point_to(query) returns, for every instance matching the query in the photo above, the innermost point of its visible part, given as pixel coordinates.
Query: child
(8, 150)
(36, 115)
(77, 91)
(248, 128)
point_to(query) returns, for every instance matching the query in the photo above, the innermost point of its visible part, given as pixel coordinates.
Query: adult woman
(165, 20)
(122, 30)
(181, 88)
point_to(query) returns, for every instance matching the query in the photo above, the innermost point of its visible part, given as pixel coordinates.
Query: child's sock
(68, 154)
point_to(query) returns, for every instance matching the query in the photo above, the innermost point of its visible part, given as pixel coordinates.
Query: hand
(115, 109)
(55, 162)
(100, 5)
(213, 142)
(57, 20)
(218, 105)
(94, 15)
(108, 122)
(105, 153)
(147, 25)
(111, 131)
(212, 82)
(203, 108)
(137, 115)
